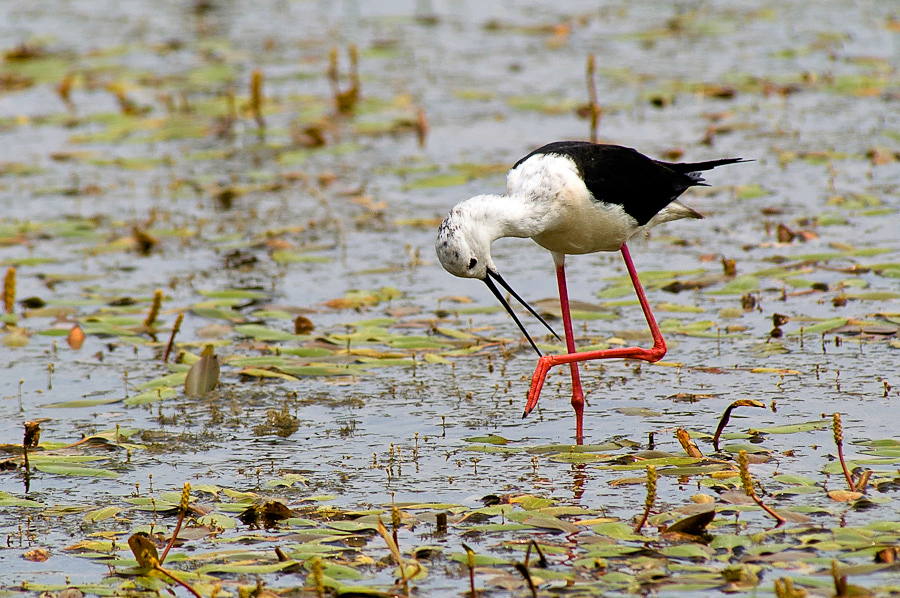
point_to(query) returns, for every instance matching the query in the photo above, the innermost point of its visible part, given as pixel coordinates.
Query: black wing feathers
(621, 175)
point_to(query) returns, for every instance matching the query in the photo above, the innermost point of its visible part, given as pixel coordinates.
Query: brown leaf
(203, 377)
(844, 495)
(38, 555)
(303, 325)
(144, 241)
(784, 234)
(687, 444)
(144, 550)
(693, 525)
(75, 337)
(32, 434)
(729, 266)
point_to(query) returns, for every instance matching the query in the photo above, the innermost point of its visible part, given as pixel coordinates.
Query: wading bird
(571, 197)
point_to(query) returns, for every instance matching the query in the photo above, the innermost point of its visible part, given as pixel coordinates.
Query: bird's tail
(693, 169)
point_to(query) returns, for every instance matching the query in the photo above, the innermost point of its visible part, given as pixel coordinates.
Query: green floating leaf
(790, 429)
(339, 571)
(263, 373)
(874, 296)
(582, 448)
(101, 514)
(214, 313)
(618, 531)
(169, 380)
(214, 74)
(323, 370)
(678, 308)
(820, 327)
(656, 462)
(753, 449)
(610, 550)
(579, 458)
(321, 498)
(488, 448)
(312, 352)
(481, 560)
(234, 294)
(794, 480)
(251, 569)
(738, 286)
(532, 503)
(153, 395)
(27, 261)
(15, 339)
(548, 522)
(8, 500)
(414, 342)
(387, 362)
(489, 439)
(687, 551)
(263, 361)
(541, 103)
(438, 359)
(287, 481)
(74, 470)
(217, 520)
(751, 191)
(84, 403)
(354, 526)
(490, 528)
(263, 333)
(284, 256)
(615, 292)
(638, 411)
(63, 459)
(730, 542)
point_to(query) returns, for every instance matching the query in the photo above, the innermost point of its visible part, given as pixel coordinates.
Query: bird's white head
(463, 244)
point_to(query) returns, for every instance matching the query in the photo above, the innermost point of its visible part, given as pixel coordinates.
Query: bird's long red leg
(655, 353)
(577, 392)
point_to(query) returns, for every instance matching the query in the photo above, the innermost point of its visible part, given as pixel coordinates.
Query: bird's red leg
(577, 392)
(546, 362)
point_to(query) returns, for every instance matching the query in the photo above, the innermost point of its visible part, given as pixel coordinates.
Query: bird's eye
(472, 263)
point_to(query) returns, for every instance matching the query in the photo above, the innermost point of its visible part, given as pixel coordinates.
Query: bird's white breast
(580, 223)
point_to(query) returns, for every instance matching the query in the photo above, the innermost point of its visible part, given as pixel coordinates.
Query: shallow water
(495, 81)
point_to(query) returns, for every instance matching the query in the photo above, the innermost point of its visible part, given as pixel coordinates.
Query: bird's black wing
(623, 176)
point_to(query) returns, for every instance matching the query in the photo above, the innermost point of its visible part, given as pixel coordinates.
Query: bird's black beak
(490, 284)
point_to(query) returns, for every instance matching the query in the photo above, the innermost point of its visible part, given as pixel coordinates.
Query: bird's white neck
(499, 216)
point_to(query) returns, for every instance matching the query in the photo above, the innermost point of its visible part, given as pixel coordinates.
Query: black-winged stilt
(571, 197)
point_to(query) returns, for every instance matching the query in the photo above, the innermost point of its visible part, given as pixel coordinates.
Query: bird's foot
(537, 382)
(546, 362)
